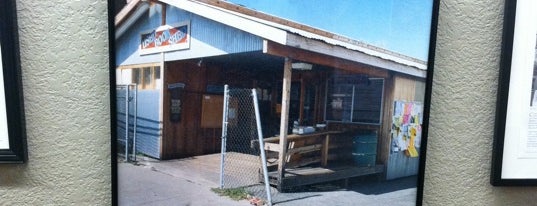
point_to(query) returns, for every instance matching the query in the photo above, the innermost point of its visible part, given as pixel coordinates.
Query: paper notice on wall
(4, 137)
(398, 111)
(406, 127)
(528, 143)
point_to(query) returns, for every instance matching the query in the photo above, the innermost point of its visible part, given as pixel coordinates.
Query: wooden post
(324, 153)
(302, 99)
(284, 117)
(163, 17)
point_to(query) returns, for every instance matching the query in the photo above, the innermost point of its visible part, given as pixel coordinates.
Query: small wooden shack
(304, 74)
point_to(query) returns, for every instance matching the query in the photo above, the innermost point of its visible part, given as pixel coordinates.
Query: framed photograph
(12, 129)
(514, 157)
(244, 102)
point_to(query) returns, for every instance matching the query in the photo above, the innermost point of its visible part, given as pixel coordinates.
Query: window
(148, 79)
(145, 76)
(136, 76)
(354, 98)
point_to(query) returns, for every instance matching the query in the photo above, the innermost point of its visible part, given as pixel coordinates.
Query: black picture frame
(113, 9)
(16, 152)
(509, 165)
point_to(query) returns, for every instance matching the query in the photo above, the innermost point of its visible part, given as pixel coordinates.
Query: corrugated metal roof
(312, 33)
(271, 28)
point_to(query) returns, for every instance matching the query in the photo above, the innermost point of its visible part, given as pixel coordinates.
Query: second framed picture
(514, 160)
(12, 123)
(286, 102)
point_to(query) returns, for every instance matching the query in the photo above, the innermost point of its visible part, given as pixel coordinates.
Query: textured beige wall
(65, 79)
(463, 108)
(64, 54)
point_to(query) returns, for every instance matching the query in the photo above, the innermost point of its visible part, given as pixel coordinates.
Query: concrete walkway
(189, 181)
(148, 185)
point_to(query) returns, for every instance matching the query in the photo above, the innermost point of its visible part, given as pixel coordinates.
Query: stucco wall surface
(463, 108)
(64, 55)
(65, 78)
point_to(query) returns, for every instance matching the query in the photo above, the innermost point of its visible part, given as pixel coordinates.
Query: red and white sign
(165, 38)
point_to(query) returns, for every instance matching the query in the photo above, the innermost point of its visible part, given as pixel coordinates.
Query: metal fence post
(135, 121)
(262, 147)
(224, 135)
(127, 123)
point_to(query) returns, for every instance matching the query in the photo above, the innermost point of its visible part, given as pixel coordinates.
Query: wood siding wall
(191, 137)
(396, 88)
(384, 140)
(188, 137)
(181, 139)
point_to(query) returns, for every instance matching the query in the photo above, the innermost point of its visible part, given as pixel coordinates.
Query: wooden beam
(303, 162)
(284, 117)
(324, 155)
(304, 149)
(385, 137)
(163, 15)
(296, 137)
(272, 147)
(276, 49)
(302, 98)
(125, 12)
(307, 176)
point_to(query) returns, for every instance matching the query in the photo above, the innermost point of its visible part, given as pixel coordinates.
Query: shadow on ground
(370, 186)
(366, 186)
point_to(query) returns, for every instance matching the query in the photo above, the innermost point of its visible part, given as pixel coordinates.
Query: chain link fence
(242, 166)
(126, 118)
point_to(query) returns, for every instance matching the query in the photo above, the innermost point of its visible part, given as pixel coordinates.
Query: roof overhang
(363, 56)
(129, 15)
(280, 32)
(308, 39)
(225, 17)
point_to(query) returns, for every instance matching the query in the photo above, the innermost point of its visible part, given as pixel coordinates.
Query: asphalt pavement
(189, 183)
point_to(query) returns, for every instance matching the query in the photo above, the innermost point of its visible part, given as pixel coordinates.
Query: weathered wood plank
(317, 58)
(272, 147)
(313, 175)
(303, 162)
(180, 139)
(324, 154)
(295, 137)
(304, 149)
(284, 117)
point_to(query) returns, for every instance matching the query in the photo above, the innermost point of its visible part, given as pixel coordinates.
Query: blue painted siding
(127, 44)
(399, 165)
(148, 101)
(208, 38)
(148, 132)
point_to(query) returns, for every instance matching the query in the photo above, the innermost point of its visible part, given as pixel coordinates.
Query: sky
(402, 26)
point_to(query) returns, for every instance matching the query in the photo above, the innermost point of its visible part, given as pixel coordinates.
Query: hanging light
(301, 66)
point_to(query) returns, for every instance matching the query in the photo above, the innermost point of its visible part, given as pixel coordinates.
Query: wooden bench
(300, 144)
(307, 160)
